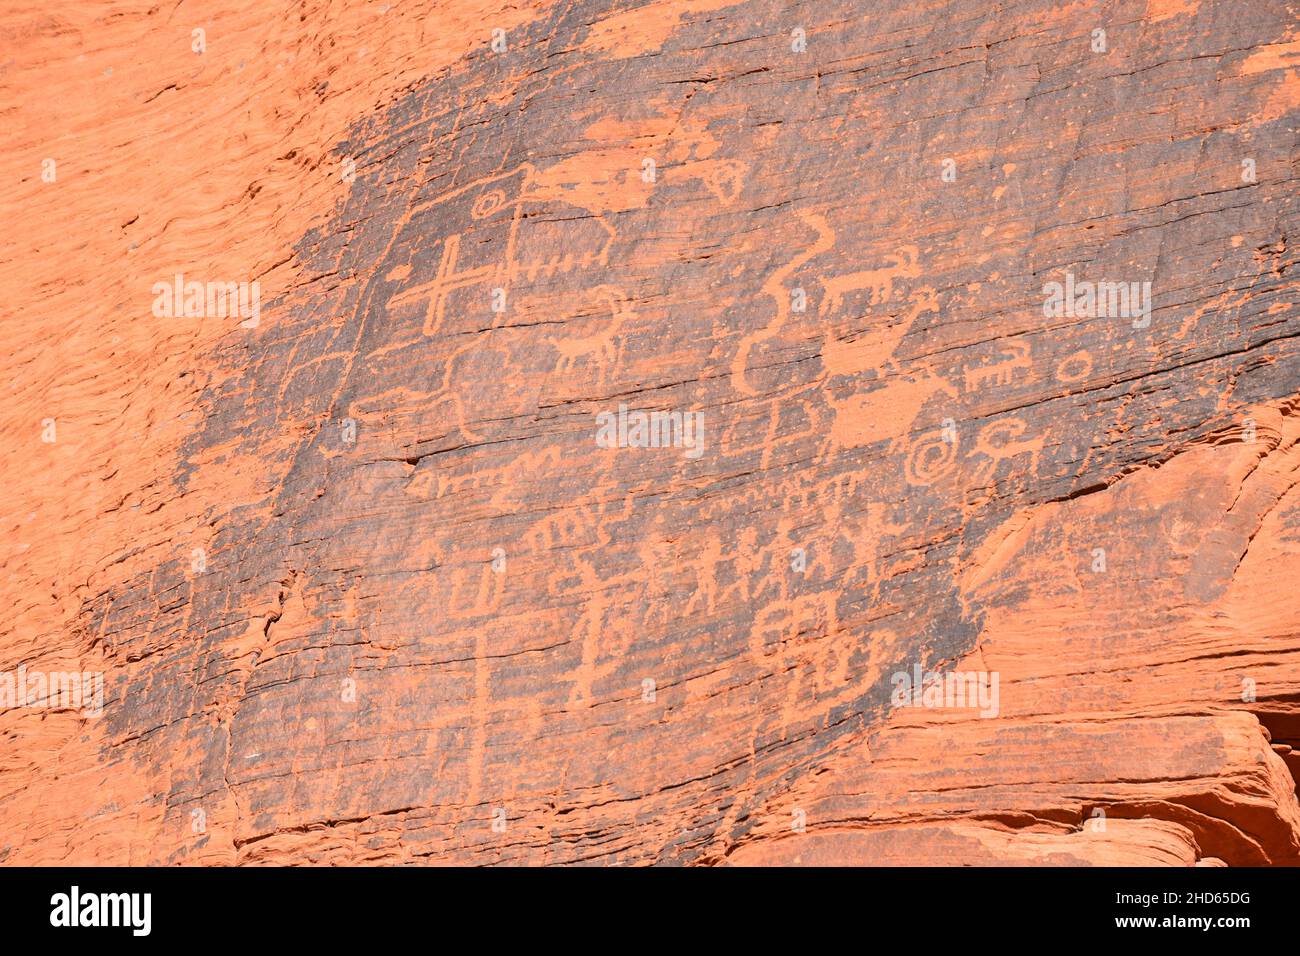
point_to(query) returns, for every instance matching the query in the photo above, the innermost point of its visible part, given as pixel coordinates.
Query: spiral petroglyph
(931, 458)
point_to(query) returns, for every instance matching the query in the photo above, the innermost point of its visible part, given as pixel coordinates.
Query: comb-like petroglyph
(439, 618)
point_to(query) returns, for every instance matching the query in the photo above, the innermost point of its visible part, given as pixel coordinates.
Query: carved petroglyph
(1001, 441)
(593, 245)
(934, 456)
(491, 262)
(1014, 358)
(862, 417)
(896, 391)
(1268, 261)
(723, 177)
(480, 210)
(930, 458)
(768, 590)
(866, 417)
(879, 283)
(485, 247)
(803, 636)
(601, 347)
(1075, 367)
(785, 623)
(775, 288)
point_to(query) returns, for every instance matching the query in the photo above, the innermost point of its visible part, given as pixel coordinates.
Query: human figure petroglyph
(862, 528)
(657, 562)
(475, 590)
(704, 570)
(745, 560)
(605, 640)
(590, 627)
(742, 559)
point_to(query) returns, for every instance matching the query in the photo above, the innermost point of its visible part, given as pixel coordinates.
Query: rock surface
(365, 587)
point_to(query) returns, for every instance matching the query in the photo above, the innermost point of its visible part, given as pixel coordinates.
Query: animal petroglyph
(1001, 441)
(878, 282)
(1014, 358)
(775, 288)
(905, 466)
(934, 456)
(601, 347)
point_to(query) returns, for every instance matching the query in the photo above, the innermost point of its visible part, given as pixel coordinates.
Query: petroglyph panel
(429, 592)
